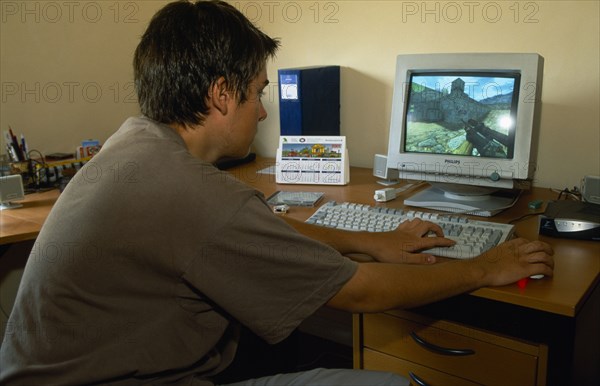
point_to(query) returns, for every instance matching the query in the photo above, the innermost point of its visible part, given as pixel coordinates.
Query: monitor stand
(456, 198)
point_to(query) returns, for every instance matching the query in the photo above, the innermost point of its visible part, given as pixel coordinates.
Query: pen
(15, 144)
(24, 147)
(11, 153)
(10, 147)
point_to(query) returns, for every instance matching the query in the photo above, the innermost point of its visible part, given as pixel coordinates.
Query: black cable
(574, 194)
(36, 174)
(521, 218)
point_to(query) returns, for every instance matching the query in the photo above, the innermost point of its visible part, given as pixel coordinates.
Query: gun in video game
(487, 141)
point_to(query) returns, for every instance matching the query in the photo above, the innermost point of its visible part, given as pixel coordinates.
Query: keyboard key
(472, 237)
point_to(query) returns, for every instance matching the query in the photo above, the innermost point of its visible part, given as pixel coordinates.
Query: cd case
(295, 198)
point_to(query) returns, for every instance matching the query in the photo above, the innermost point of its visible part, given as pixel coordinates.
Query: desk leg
(357, 341)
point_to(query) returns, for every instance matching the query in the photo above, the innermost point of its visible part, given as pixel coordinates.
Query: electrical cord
(521, 218)
(568, 194)
(572, 194)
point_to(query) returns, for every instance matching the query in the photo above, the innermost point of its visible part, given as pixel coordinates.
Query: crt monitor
(468, 124)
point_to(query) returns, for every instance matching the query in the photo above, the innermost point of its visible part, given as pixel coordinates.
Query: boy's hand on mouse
(514, 260)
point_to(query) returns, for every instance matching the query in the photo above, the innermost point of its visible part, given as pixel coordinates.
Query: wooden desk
(551, 324)
(577, 262)
(553, 320)
(24, 223)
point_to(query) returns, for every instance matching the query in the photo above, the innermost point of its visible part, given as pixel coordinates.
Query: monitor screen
(462, 113)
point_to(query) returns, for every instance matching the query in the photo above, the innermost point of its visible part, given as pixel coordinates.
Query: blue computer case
(309, 100)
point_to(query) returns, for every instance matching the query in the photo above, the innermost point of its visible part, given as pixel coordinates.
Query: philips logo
(452, 161)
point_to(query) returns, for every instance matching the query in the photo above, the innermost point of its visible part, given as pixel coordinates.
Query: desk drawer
(374, 360)
(478, 356)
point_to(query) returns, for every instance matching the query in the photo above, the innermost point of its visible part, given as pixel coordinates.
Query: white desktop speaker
(380, 166)
(388, 176)
(590, 189)
(381, 170)
(11, 189)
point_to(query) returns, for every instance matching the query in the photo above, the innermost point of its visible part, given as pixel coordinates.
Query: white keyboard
(472, 237)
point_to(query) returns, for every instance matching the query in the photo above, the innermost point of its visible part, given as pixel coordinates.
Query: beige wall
(66, 66)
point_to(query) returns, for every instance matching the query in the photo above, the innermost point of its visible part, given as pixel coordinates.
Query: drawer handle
(417, 379)
(439, 349)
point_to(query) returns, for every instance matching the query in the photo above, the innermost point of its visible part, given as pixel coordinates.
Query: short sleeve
(265, 274)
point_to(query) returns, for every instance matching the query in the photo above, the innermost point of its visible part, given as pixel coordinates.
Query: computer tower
(309, 100)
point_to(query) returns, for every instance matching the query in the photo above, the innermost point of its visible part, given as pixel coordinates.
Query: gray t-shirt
(147, 263)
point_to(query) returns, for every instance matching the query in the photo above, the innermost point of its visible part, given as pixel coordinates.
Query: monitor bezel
(459, 168)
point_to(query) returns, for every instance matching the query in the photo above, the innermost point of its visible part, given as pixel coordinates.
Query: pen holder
(25, 169)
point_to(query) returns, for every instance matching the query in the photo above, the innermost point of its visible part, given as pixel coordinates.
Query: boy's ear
(218, 95)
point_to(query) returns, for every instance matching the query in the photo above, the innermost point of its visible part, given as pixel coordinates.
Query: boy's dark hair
(186, 48)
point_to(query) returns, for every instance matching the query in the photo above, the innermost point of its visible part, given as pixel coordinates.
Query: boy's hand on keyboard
(421, 228)
(408, 240)
(516, 259)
